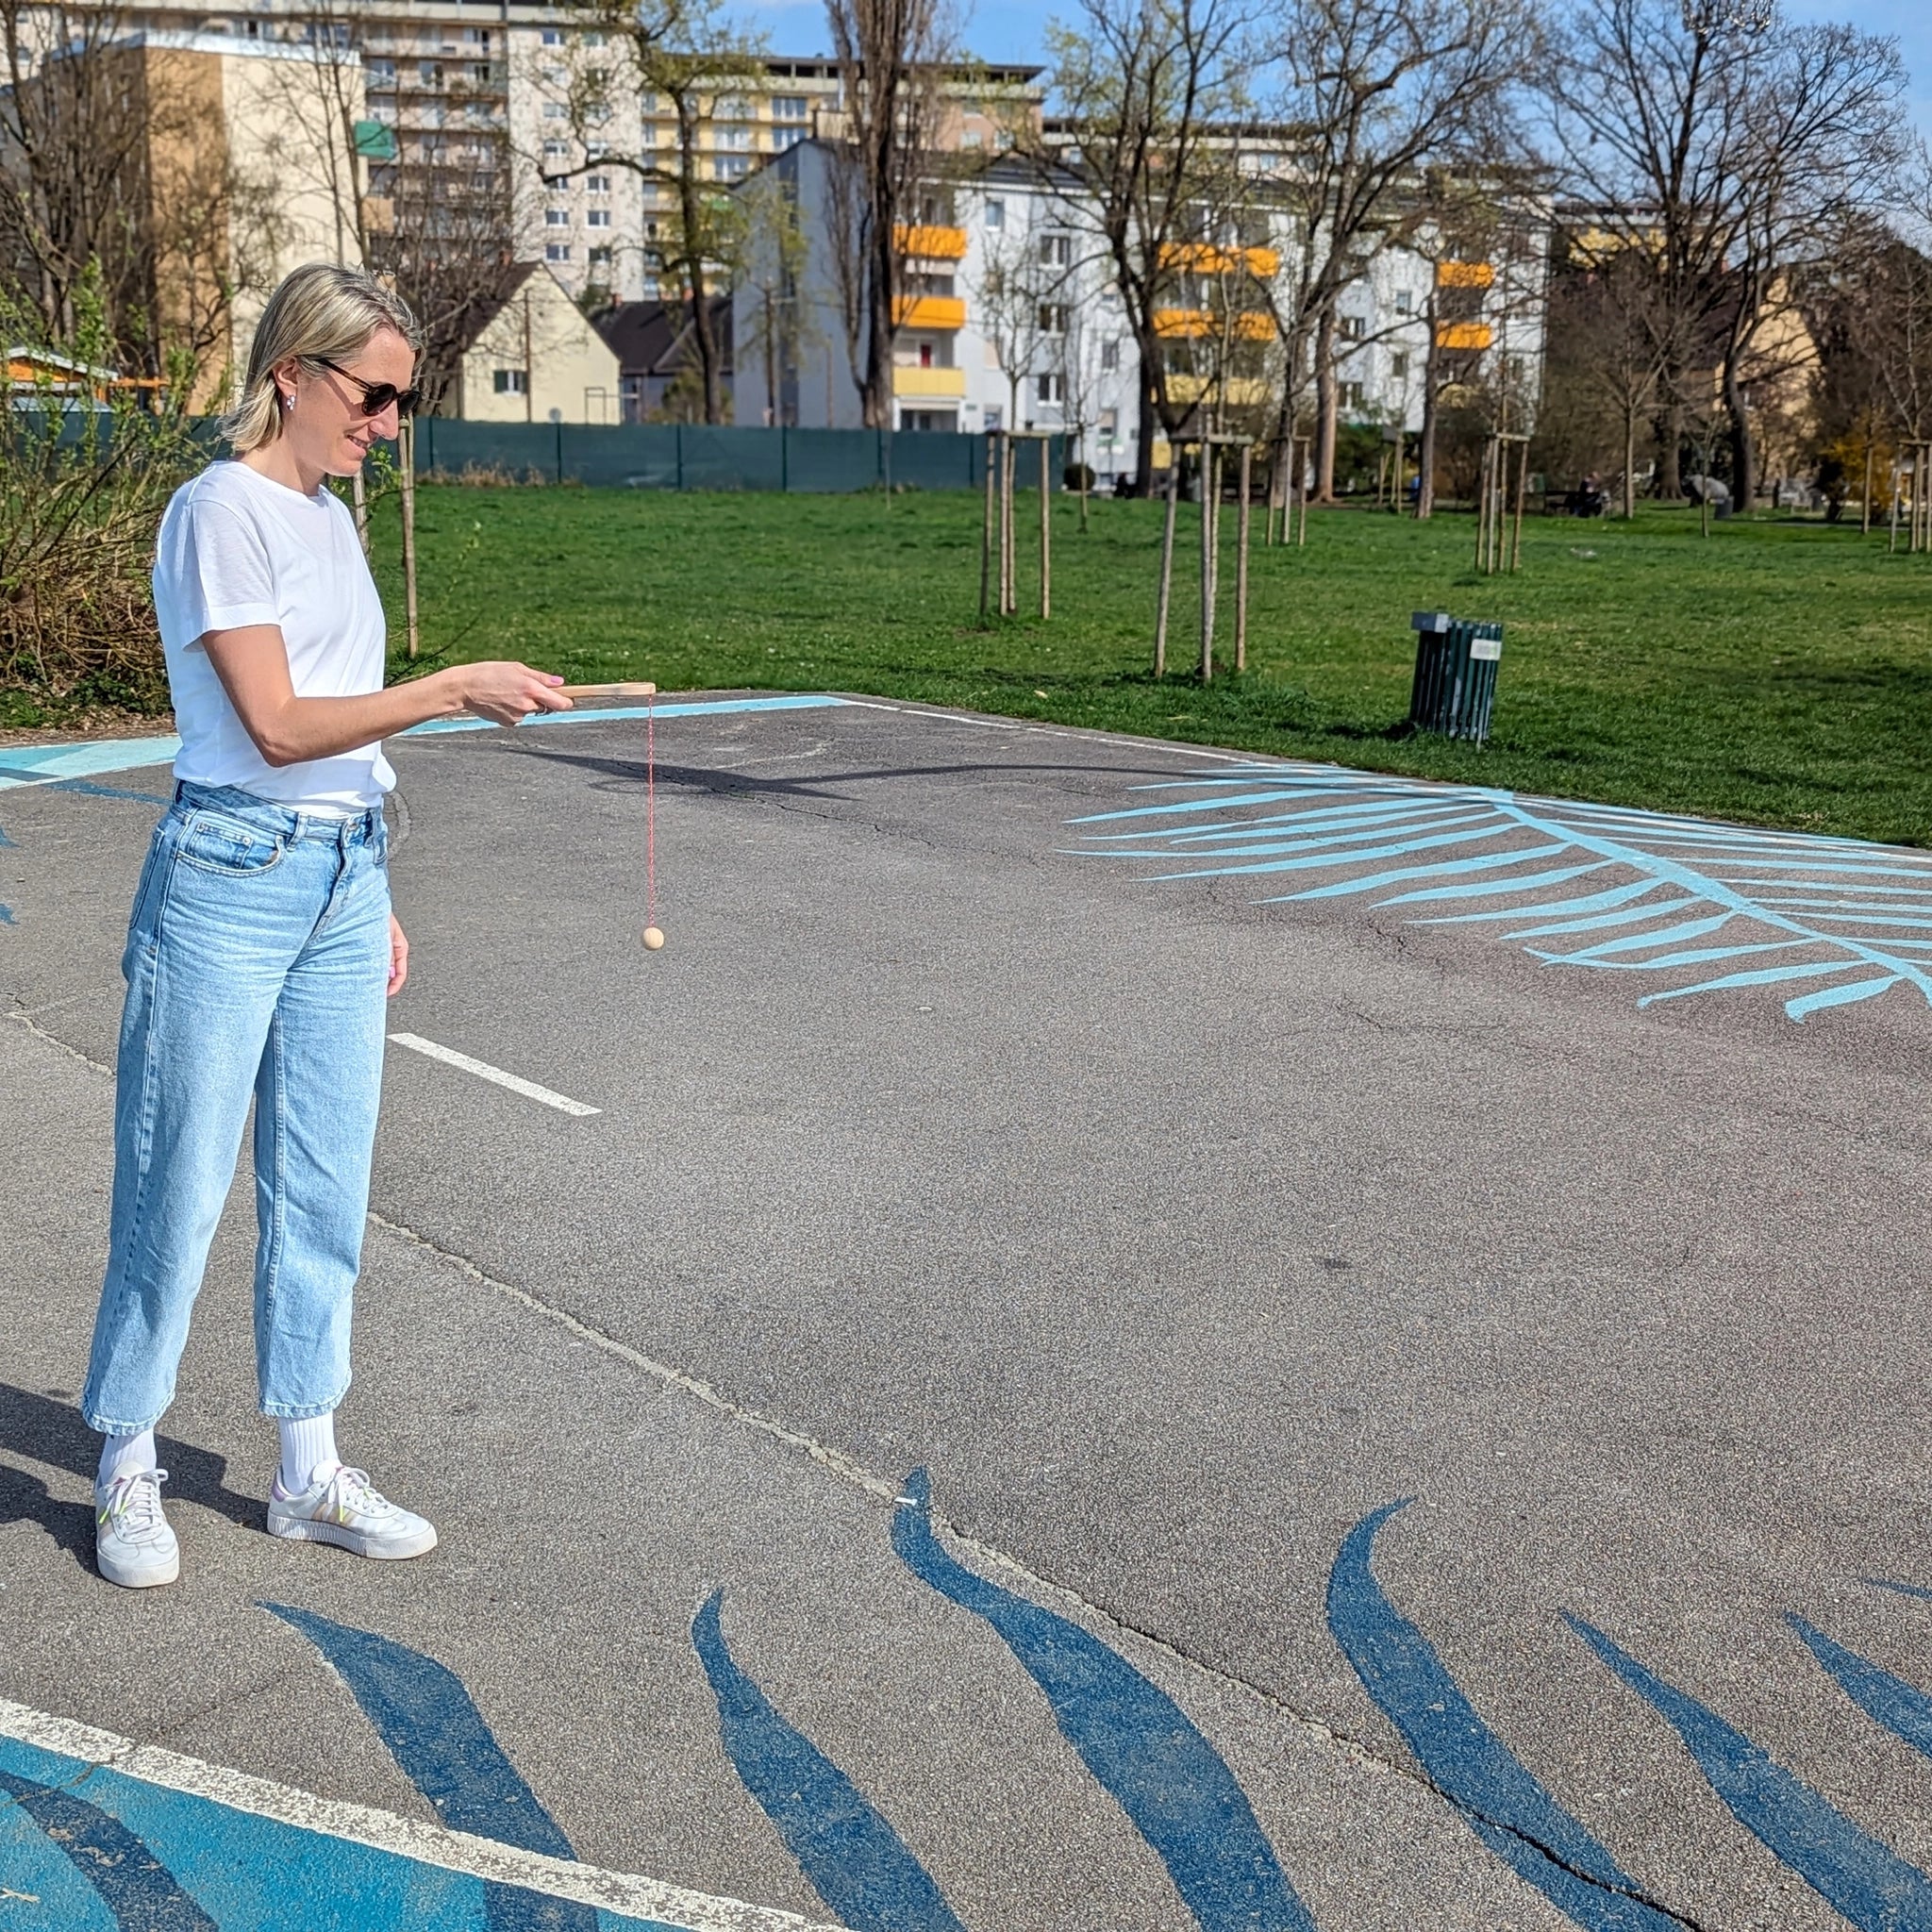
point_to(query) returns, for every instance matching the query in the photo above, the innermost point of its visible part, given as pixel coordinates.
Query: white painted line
(483, 1070)
(408, 1838)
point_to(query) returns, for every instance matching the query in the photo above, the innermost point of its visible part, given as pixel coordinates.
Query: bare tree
(1146, 85)
(891, 56)
(774, 326)
(1375, 93)
(1009, 294)
(687, 54)
(1723, 142)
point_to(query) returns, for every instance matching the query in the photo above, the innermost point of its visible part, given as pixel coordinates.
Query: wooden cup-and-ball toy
(653, 940)
(654, 937)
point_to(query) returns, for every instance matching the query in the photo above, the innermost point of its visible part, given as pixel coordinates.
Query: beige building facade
(536, 359)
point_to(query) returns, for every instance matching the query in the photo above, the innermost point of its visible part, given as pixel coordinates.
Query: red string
(651, 809)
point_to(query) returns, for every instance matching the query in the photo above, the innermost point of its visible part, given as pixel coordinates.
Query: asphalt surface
(1172, 1232)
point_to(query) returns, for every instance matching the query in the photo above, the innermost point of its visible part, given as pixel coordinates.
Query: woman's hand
(398, 956)
(506, 693)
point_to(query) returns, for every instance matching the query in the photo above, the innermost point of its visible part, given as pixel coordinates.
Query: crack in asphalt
(1359, 1750)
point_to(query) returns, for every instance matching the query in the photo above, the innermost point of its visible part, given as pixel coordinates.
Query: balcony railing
(1247, 326)
(1209, 258)
(926, 383)
(1465, 274)
(930, 241)
(1464, 335)
(929, 311)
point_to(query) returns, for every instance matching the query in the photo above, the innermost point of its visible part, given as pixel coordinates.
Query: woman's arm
(253, 665)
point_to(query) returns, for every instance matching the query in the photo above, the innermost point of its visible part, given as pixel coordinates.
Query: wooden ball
(653, 940)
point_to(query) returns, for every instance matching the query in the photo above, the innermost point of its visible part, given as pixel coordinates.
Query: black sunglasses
(377, 396)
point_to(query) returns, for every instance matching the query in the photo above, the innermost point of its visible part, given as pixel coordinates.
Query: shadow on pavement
(51, 1431)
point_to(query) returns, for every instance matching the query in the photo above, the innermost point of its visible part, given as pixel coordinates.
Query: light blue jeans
(257, 964)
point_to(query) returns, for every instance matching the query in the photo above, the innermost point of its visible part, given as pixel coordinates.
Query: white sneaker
(133, 1544)
(340, 1507)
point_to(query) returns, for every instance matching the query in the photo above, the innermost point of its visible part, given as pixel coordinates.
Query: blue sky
(1013, 30)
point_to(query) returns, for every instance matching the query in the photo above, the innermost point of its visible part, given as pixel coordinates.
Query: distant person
(262, 941)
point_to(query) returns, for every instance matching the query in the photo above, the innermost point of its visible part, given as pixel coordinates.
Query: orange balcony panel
(1207, 259)
(1464, 335)
(1465, 274)
(930, 242)
(929, 311)
(1250, 325)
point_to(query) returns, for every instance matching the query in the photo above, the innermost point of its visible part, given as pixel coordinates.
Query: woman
(262, 941)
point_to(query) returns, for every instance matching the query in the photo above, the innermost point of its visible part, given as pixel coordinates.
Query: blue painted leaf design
(1507, 1809)
(855, 1860)
(1902, 1708)
(1865, 1880)
(1800, 907)
(1151, 1759)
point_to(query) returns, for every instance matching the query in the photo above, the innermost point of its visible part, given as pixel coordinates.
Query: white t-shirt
(237, 548)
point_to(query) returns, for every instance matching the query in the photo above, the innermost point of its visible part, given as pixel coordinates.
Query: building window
(648, 105)
(1053, 318)
(789, 108)
(783, 137)
(1110, 355)
(1057, 251)
(734, 109)
(554, 76)
(556, 251)
(1350, 327)
(1109, 426)
(477, 36)
(1405, 301)
(1352, 395)
(734, 137)
(732, 167)
(382, 73)
(597, 184)
(557, 218)
(509, 382)
(598, 217)
(600, 257)
(553, 36)
(556, 111)
(1398, 368)
(556, 150)
(995, 214)
(429, 72)
(1051, 388)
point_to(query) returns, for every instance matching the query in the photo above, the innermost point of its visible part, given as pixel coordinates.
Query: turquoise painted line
(705, 708)
(240, 1869)
(1865, 1880)
(45, 764)
(1507, 1809)
(1176, 1788)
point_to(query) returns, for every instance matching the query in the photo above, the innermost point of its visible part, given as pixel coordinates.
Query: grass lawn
(1776, 671)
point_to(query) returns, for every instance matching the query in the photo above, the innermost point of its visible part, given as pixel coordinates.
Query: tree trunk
(1743, 439)
(690, 214)
(1670, 436)
(1629, 461)
(1150, 428)
(880, 278)
(1426, 444)
(1327, 413)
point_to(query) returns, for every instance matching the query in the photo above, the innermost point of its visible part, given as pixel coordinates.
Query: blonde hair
(320, 311)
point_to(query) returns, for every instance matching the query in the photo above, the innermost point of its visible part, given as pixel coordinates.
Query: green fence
(697, 457)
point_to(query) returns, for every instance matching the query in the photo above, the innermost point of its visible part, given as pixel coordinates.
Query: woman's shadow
(48, 1430)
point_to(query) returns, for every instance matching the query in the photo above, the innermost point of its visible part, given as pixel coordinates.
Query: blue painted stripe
(1136, 1740)
(1507, 1808)
(1864, 1881)
(855, 1860)
(705, 708)
(1904, 1710)
(137, 1888)
(1902, 1589)
(434, 1731)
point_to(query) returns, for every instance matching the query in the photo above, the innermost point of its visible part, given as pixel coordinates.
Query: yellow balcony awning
(1249, 326)
(930, 241)
(926, 383)
(1464, 335)
(1465, 274)
(1242, 392)
(929, 311)
(1207, 259)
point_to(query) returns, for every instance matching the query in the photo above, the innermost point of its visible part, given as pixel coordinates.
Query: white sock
(307, 1444)
(124, 1455)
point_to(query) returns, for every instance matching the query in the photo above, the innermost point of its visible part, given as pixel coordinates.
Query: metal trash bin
(1456, 664)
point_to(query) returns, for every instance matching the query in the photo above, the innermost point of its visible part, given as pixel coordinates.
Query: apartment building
(1009, 316)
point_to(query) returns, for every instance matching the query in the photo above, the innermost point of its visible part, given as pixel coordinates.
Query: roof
(655, 337)
(490, 302)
